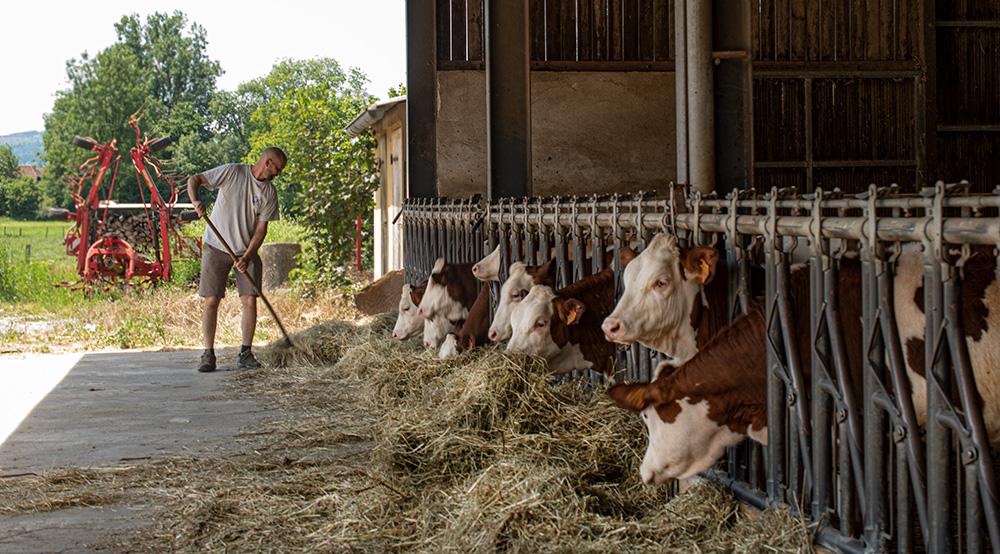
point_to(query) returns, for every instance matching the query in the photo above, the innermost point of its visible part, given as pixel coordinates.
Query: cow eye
(406, 309)
(540, 324)
(516, 295)
(662, 283)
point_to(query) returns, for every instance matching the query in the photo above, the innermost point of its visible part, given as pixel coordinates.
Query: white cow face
(409, 322)
(449, 349)
(661, 285)
(436, 330)
(436, 301)
(514, 289)
(488, 268)
(683, 441)
(531, 323)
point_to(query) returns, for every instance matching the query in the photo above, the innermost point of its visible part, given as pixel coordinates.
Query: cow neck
(730, 373)
(716, 293)
(465, 284)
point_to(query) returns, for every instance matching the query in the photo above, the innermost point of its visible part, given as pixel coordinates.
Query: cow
(521, 278)
(674, 299)
(451, 291)
(564, 326)
(470, 332)
(436, 330)
(409, 322)
(488, 268)
(719, 396)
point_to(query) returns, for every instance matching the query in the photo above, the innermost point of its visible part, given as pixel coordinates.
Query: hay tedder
(124, 244)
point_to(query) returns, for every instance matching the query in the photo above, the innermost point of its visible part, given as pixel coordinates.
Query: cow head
(436, 329)
(514, 289)
(449, 348)
(661, 286)
(683, 440)
(437, 301)
(409, 322)
(538, 322)
(488, 268)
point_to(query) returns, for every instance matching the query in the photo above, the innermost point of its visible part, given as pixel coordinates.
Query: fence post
(27, 252)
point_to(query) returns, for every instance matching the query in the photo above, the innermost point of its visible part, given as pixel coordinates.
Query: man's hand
(241, 263)
(199, 207)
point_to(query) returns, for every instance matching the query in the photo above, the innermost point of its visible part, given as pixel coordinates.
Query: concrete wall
(592, 132)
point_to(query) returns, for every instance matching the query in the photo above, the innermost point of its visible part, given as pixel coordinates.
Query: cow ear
(627, 255)
(546, 273)
(572, 311)
(439, 278)
(470, 343)
(631, 396)
(700, 261)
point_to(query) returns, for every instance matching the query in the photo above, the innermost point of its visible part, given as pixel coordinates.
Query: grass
(141, 317)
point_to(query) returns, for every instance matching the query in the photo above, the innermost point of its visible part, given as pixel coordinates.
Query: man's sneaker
(247, 361)
(207, 362)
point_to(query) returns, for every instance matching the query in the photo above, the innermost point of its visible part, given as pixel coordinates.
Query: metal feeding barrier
(858, 469)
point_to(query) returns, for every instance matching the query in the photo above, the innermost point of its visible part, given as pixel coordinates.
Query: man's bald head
(271, 163)
(276, 154)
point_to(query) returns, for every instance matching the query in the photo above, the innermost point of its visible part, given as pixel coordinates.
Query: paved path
(97, 410)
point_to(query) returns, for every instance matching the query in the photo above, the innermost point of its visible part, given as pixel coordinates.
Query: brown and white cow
(674, 301)
(409, 322)
(451, 291)
(719, 396)
(471, 332)
(520, 280)
(564, 326)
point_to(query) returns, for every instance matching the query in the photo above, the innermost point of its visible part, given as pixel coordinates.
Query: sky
(40, 36)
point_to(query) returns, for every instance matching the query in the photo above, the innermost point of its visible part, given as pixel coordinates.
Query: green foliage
(160, 68)
(303, 107)
(8, 163)
(20, 198)
(138, 331)
(23, 281)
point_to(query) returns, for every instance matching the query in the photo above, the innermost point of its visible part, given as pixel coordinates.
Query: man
(247, 201)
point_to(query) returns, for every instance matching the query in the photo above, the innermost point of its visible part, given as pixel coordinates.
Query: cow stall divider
(849, 458)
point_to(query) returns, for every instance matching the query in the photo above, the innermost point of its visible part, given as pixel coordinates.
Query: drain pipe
(700, 95)
(681, 91)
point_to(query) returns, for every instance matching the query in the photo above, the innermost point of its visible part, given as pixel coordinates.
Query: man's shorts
(215, 266)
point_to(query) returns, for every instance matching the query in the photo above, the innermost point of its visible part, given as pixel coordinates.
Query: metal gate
(857, 469)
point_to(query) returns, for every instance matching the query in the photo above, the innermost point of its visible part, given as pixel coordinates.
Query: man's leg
(209, 320)
(215, 266)
(248, 323)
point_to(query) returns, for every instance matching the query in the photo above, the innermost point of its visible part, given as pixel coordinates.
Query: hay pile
(383, 447)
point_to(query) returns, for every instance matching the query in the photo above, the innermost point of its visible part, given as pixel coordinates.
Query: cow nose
(611, 327)
(395, 335)
(427, 345)
(420, 312)
(493, 336)
(475, 270)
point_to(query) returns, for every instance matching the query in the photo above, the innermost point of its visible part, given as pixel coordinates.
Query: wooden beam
(508, 99)
(421, 76)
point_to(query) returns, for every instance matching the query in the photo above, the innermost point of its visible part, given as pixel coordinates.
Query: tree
(19, 198)
(9, 168)
(159, 68)
(303, 107)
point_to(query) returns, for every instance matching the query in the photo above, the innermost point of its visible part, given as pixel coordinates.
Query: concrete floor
(105, 409)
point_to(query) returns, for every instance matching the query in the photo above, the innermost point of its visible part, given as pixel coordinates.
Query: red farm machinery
(121, 244)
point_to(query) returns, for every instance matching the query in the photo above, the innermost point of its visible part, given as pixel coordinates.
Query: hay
(380, 446)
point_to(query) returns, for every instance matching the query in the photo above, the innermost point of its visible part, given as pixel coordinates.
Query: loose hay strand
(380, 446)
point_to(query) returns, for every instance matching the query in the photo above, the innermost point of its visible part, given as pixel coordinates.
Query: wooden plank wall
(567, 30)
(846, 30)
(968, 46)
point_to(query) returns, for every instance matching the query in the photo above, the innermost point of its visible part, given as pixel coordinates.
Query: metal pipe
(700, 96)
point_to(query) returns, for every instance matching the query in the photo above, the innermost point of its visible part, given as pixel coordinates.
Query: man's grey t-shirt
(242, 202)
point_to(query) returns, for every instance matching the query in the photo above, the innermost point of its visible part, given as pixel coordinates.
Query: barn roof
(368, 117)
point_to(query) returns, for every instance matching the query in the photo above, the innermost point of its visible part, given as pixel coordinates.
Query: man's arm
(195, 182)
(258, 238)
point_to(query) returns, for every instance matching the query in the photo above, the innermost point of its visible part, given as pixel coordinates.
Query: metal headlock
(848, 457)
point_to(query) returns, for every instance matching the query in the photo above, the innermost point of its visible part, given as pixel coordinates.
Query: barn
(554, 128)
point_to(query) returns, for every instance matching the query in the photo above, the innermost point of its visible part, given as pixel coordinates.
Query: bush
(20, 198)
